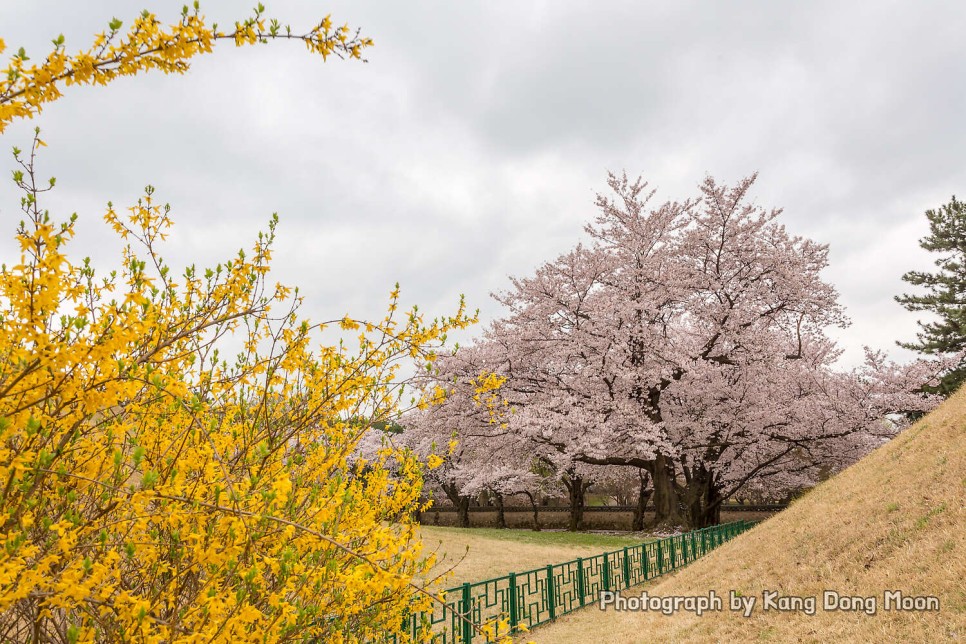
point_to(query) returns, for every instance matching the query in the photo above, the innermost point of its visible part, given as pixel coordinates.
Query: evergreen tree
(945, 292)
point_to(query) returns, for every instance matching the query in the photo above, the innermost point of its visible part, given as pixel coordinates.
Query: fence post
(512, 589)
(605, 580)
(467, 609)
(660, 558)
(644, 562)
(580, 580)
(551, 608)
(694, 545)
(627, 568)
(674, 553)
(704, 541)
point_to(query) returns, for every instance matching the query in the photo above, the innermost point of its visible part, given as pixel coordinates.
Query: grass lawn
(475, 554)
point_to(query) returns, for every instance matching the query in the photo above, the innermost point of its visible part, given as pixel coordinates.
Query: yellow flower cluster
(149, 44)
(486, 393)
(154, 489)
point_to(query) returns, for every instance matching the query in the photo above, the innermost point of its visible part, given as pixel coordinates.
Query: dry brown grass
(479, 554)
(895, 520)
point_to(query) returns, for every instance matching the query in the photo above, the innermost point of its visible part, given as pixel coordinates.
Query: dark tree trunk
(500, 515)
(667, 503)
(536, 510)
(713, 507)
(462, 504)
(576, 489)
(702, 497)
(710, 510)
(643, 494)
(463, 512)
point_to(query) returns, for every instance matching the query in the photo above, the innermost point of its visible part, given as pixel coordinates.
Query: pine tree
(945, 292)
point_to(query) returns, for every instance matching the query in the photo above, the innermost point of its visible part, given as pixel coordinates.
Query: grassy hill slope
(896, 520)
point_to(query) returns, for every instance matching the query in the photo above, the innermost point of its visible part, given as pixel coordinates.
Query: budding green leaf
(149, 480)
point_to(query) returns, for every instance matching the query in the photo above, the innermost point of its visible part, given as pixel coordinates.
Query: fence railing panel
(593, 576)
(567, 587)
(532, 591)
(635, 565)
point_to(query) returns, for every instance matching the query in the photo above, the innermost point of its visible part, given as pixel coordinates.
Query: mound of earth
(895, 522)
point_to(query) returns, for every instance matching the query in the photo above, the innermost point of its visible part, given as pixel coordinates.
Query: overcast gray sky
(471, 145)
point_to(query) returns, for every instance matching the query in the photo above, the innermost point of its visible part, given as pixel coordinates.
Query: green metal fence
(540, 595)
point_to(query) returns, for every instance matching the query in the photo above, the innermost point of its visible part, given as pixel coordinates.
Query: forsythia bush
(151, 45)
(154, 488)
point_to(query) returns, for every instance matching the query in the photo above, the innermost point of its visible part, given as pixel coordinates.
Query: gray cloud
(471, 146)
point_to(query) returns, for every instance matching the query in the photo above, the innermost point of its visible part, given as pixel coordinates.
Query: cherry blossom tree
(690, 340)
